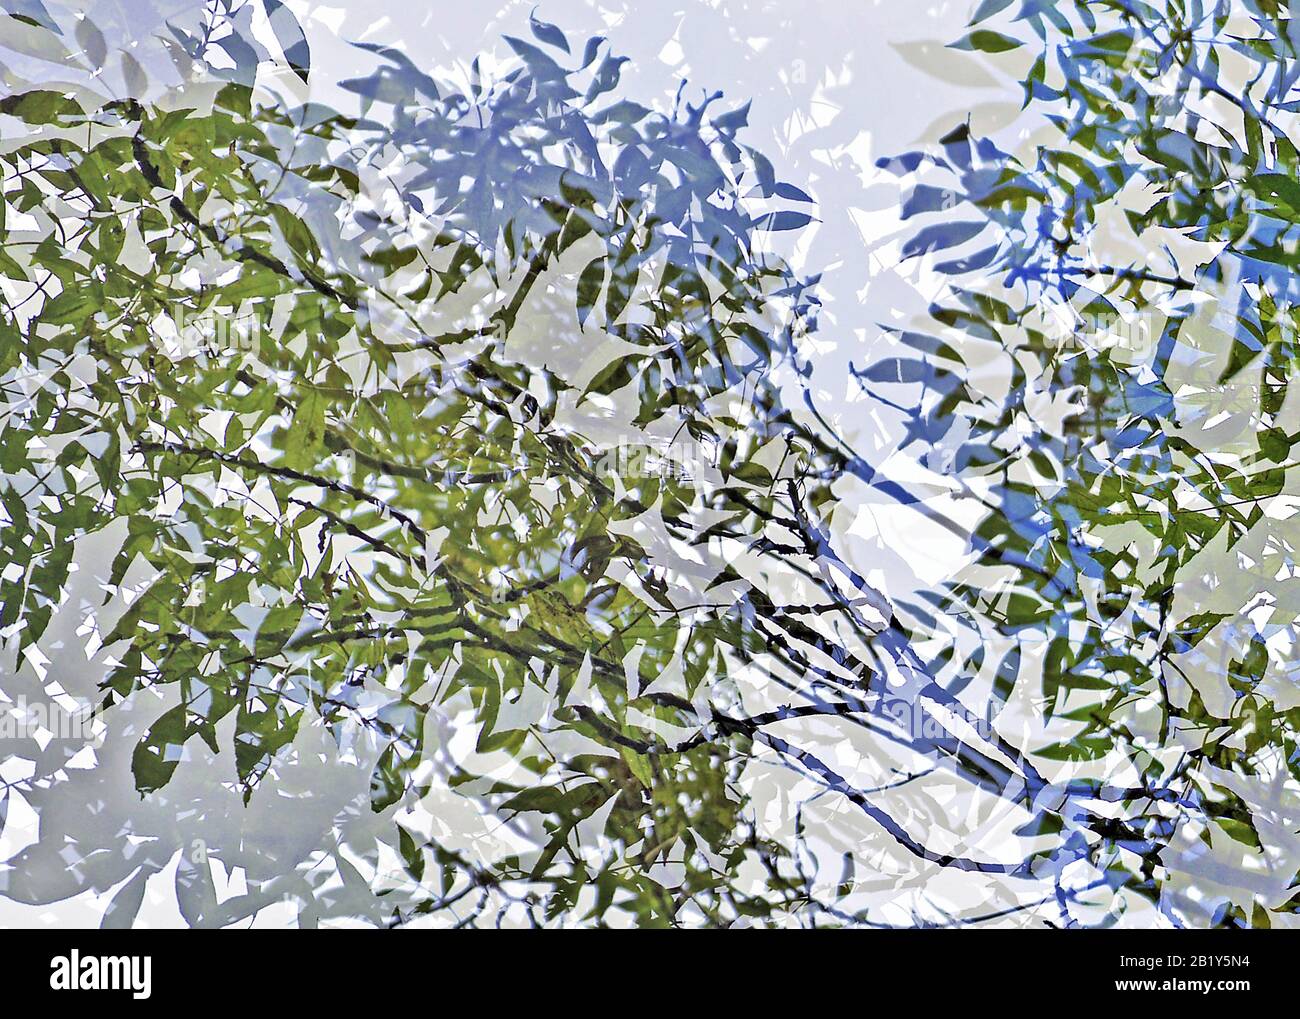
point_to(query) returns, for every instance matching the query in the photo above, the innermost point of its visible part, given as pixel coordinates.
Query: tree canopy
(468, 428)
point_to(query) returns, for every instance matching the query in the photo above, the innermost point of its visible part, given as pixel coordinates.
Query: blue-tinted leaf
(793, 193)
(784, 220)
(547, 32)
(289, 34)
(940, 236)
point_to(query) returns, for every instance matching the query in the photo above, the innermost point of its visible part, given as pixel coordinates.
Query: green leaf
(640, 766)
(987, 41)
(304, 442)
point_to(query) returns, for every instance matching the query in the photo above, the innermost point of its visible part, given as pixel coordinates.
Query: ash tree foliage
(460, 426)
(1138, 451)
(348, 385)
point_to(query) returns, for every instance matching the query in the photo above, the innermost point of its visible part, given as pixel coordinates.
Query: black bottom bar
(1070, 971)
